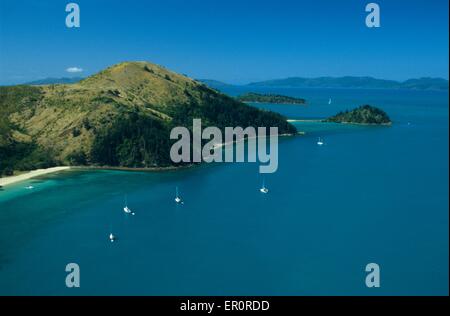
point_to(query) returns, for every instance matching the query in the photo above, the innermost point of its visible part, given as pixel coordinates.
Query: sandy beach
(294, 120)
(35, 173)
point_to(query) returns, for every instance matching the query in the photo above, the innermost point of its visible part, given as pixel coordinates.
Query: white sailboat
(112, 238)
(126, 209)
(263, 188)
(178, 198)
(320, 141)
(329, 101)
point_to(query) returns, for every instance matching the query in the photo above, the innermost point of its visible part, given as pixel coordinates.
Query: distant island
(269, 98)
(54, 81)
(119, 117)
(365, 114)
(347, 82)
(215, 84)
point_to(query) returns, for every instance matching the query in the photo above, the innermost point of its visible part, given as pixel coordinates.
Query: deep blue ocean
(370, 194)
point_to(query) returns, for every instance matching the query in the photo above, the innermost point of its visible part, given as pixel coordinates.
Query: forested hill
(365, 114)
(121, 116)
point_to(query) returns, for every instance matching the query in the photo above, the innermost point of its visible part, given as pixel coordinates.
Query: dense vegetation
(269, 98)
(365, 114)
(134, 140)
(121, 116)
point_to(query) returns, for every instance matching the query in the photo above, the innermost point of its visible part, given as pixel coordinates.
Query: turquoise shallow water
(371, 194)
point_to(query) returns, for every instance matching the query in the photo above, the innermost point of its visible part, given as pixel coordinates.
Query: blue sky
(234, 41)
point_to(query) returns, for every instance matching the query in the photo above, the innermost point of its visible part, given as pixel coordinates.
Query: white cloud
(74, 69)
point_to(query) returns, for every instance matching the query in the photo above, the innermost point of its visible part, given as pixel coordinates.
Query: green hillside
(121, 116)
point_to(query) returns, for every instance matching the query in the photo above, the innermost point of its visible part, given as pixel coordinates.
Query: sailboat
(126, 209)
(329, 101)
(320, 142)
(263, 188)
(112, 238)
(178, 198)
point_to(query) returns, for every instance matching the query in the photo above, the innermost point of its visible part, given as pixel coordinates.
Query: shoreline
(344, 123)
(225, 144)
(148, 169)
(30, 174)
(363, 124)
(305, 121)
(39, 172)
(275, 103)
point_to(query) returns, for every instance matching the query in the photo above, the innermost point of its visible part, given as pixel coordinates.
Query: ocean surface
(370, 194)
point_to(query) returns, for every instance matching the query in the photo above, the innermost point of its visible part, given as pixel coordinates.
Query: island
(269, 98)
(120, 117)
(365, 114)
(349, 82)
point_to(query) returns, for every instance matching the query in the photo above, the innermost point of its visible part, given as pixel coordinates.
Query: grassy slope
(69, 120)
